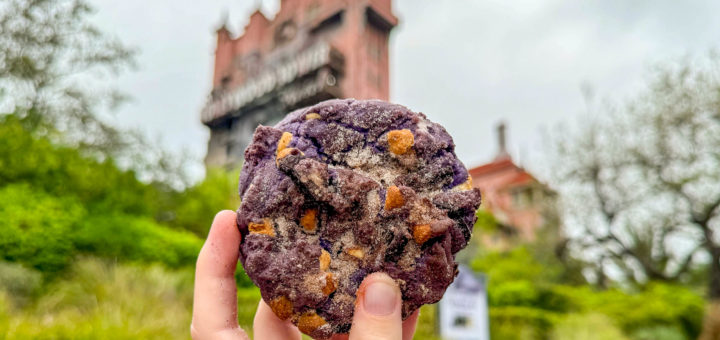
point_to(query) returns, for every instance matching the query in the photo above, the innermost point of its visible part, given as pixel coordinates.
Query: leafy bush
(592, 326)
(45, 233)
(528, 300)
(36, 227)
(65, 172)
(656, 305)
(513, 322)
(534, 312)
(137, 239)
(514, 265)
(514, 293)
(486, 222)
(195, 208)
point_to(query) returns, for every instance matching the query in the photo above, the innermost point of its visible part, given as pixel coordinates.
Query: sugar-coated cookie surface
(345, 188)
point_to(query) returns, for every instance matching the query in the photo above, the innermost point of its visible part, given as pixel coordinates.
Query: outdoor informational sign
(464, 310)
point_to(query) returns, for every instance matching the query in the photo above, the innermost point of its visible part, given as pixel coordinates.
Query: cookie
(345, 188)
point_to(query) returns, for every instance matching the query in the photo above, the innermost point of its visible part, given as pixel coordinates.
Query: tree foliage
(641, 181)
(536, 292)
(64, 171)
(194, 208)
(56, 72)
(36, 228)
(56, 203)
(54, 63)
(135, 239)
(530, 298)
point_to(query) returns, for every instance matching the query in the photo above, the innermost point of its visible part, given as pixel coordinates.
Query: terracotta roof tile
(492, 167)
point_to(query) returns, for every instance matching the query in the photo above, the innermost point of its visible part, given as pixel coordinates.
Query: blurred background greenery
(100, 229)
(90, 252)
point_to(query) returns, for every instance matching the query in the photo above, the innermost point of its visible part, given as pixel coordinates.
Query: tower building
(310, 51)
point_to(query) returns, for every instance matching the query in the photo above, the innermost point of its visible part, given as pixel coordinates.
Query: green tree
(55, 72)
(641, 182)
(55, 202)
(63, 171)
(54, 63)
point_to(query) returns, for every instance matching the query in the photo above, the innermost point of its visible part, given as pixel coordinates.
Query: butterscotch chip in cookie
(329, 284)
(282, 307)
(324, 260)
(400, 141)
(347, 188)
(312, 115)
(309, 322)
(284, 141)
(287, 152)
(356, 252)
(422, 233)
(309, 220)
(264, 227)
(393, 198)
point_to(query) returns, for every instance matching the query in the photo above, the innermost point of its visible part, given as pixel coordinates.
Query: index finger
(215, 297)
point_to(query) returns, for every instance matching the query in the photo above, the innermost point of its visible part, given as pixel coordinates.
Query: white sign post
(463, 309)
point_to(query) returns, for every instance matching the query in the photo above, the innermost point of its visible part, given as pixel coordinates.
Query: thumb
(377, 310)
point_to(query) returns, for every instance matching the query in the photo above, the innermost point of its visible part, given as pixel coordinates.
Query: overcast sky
(465, 64)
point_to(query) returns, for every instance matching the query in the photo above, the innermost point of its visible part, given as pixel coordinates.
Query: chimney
(502, 146)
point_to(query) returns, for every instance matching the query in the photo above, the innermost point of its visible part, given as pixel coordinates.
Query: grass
(100, 299)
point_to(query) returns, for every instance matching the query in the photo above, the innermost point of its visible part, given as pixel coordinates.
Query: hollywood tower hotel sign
(310, 51)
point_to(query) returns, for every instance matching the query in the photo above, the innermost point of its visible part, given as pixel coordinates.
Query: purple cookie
(345, 188)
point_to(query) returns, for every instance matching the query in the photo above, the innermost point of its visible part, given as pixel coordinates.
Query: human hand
(377, 308)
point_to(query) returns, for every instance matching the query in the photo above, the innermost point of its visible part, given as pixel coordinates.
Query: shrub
(517, 264)
(65, 172)
(514, 293)
(527, 298)
(137, 239)
(45, 233)
(657, 305)
(36, 227)
(485, 223)
(592, 326)
(520, 323)
(195, 208)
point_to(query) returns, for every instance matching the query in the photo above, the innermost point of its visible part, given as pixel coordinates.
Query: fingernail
(380, 298)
